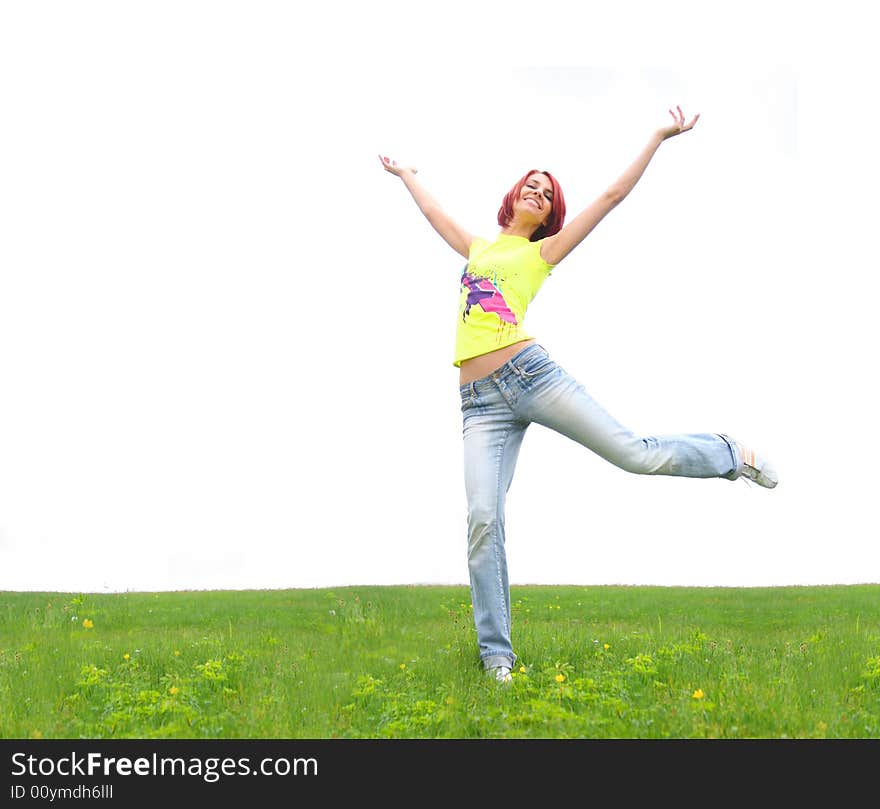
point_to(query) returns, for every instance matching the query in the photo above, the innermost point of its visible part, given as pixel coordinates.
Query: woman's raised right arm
(454, 235)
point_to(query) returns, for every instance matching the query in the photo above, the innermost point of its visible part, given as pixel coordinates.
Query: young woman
(507, 380)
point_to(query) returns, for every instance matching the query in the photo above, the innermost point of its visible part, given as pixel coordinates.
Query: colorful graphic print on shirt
(484, 293)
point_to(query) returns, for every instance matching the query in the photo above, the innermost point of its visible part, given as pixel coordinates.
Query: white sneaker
(756, 468)
(500, 673)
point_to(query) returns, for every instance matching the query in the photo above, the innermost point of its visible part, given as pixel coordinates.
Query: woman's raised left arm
(557, 247)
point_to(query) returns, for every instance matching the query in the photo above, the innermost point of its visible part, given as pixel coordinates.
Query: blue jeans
(496, 411)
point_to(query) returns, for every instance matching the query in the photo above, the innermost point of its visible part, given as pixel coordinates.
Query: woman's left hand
(678, 126)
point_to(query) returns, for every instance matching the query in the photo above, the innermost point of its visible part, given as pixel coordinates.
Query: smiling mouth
(534, 202)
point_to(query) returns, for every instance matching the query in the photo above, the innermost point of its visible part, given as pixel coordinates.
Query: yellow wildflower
(560, 678)
(402, 666)
(698, 694)
(173, 690)
(522, 669)
(177, 652)
(126, 656)
(88, 623)
(606, 646)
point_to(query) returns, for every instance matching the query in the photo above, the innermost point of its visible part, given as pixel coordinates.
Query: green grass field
(401, 662)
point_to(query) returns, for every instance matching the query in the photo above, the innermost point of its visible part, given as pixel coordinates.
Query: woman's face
(536, 198)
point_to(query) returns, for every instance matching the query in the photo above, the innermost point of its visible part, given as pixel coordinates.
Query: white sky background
(226, 334)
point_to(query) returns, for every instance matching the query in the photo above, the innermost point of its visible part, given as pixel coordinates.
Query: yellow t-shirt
(497, 285)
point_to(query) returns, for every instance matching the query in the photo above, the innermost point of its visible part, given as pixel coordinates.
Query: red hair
(557, 209)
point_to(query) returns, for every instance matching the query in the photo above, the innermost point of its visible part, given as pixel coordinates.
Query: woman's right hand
(678, 125)
(453, 234)
(391, 165)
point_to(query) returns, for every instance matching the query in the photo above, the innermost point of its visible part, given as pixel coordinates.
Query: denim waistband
(511, 368)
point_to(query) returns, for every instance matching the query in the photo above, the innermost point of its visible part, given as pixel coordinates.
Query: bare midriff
(478, 367)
